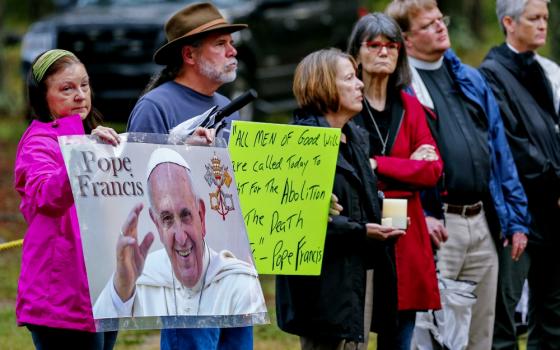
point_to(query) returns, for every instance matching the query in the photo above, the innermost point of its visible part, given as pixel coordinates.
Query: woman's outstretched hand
(382, 233)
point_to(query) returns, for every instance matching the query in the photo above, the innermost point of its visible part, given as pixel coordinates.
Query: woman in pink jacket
(53, 296)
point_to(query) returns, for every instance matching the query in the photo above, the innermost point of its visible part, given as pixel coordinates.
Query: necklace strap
(378, 131)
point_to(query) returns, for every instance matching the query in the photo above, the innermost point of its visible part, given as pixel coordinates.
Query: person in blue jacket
(483, 201)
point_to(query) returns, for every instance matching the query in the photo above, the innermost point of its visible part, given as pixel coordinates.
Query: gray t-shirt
(169, 105)
(159, 111)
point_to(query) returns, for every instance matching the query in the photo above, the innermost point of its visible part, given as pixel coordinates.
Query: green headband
(46, 60)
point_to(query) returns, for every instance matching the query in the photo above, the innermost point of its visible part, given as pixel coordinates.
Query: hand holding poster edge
(131, 233)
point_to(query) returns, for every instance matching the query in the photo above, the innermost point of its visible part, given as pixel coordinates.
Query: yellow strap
(12, 244)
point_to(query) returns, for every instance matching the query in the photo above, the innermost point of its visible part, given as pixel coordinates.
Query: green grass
(11, 336)
(270, 336)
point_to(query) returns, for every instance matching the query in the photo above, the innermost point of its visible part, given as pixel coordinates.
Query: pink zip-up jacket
(53, 287)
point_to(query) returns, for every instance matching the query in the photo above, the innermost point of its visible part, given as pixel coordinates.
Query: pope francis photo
(187, 277)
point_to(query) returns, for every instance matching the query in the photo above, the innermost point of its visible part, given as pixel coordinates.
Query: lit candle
(396, 210)
(387, 222)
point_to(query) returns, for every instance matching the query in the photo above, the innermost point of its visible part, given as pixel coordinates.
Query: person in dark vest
(526, 86)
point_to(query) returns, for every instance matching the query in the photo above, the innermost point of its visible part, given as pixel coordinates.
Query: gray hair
(511, 8)
(368, 28)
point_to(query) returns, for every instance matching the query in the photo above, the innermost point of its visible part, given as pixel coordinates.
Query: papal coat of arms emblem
(217, 175)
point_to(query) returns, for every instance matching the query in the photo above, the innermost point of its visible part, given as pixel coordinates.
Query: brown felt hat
(189, 23)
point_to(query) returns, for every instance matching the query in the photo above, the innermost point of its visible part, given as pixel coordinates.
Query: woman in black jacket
(327, 311)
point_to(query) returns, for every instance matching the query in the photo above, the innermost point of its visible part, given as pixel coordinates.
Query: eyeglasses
(433, 25)
(377, 46)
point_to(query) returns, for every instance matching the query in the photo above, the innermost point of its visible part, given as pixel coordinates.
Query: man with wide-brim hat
(199, 57)
(189, 24)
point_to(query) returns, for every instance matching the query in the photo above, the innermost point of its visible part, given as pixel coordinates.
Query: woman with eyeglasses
(405, 159)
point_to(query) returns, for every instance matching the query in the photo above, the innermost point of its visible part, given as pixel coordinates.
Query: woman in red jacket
(405, 159)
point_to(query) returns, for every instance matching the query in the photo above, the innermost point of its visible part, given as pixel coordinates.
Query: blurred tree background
(474, 27)
(474, 30)
(15, 18)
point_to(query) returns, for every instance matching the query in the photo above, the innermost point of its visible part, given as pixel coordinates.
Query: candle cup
(396, 210)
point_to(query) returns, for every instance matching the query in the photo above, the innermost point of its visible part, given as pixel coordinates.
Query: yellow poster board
(284, 176)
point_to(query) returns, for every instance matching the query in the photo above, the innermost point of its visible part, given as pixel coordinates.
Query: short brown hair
(403, 10)
(315, 81)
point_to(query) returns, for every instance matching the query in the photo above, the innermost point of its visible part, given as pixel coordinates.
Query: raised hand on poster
(130, 255)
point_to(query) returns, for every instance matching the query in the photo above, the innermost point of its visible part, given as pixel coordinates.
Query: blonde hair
(315, 81)
(403, 10)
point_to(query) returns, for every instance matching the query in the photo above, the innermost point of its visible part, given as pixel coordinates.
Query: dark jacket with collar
(530, 119)
(331, 305)
(506, 210)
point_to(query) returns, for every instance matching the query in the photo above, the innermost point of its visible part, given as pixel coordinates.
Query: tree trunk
(473, 9)
(450, 7)
(471, 12)
(33, 8)
(3, 64)
(554, 29)
(37, 9)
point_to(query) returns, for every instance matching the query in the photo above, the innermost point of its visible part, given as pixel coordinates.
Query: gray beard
(212, 73)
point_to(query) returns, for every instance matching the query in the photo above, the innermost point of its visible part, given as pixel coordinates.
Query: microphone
(235, 105)
(212, 118)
